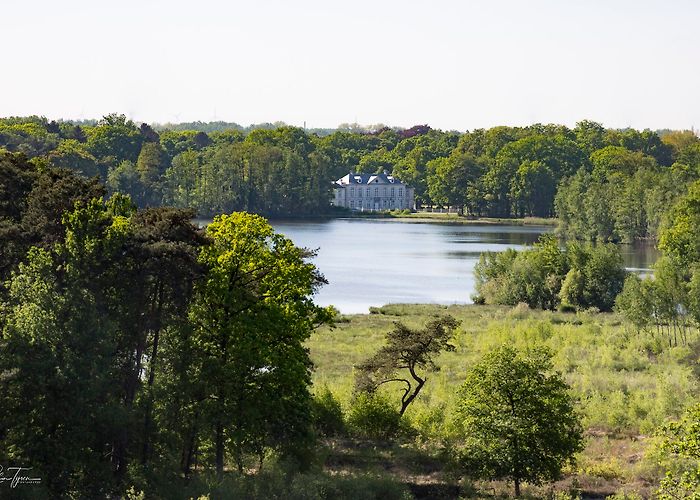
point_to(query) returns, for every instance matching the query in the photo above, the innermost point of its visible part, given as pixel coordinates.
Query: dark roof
(371, 179)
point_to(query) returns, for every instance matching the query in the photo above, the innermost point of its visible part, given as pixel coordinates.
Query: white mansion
(372, 192)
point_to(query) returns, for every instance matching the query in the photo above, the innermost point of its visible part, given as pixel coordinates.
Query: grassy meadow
(627, 384)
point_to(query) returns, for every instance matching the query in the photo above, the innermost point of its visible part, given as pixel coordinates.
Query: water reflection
(374, 262)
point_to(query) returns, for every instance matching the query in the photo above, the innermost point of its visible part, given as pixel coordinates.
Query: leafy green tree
(648, 143)
(617, 159)
(519, 419)
(681, 442)
(536, 276)
(533, 189)
(29, 137)
(58, 342)
(150, 167)
(406, 350)
(634, 303)
(604, 276)
(558, 153)
(679, 237)
(571, 293)
(450, 179)
(694, 295)
(32, 202)
(496, 188)
(125, 179)
(412, 169)
(72, 154)
(251, 315)
(175, 142)
(590, 136)
(679, 140)
(182, 179)
(114, 140)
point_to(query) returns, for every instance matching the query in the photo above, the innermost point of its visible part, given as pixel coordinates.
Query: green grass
(452, 218)
(627, 383)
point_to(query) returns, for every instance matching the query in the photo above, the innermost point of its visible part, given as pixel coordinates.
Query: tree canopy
(518, 419)
(406, 350)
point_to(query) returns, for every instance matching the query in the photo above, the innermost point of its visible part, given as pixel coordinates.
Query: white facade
(372, 192)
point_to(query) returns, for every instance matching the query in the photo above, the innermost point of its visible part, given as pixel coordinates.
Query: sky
(455, 65)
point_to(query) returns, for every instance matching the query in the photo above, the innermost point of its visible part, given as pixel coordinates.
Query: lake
(372, 262)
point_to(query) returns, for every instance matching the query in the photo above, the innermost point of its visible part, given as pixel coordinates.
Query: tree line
(602, 184)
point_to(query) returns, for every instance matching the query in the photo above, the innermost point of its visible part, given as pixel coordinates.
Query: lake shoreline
(427, 217)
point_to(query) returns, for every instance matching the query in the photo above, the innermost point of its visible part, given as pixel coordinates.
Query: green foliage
(251, 315)
(57, 343)
(667, 300)
(373, 416)
(681, 441)
(95, 322)
(114, 139)
(406, 350)
(679, 238)
(327, 413)
(602, 184)
(275, 482)
(519, 421)
(578, 277)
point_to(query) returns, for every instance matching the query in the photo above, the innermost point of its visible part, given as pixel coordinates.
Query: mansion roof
(372, 179)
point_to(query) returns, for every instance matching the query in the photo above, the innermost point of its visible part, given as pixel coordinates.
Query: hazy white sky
(449, 63)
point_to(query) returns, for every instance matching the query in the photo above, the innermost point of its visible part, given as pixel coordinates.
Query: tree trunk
(517, 487)
(219, 450)
(405, 401)
(189, 453)
(151, 376)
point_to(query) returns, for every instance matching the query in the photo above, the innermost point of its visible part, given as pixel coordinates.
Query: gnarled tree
(406, 350)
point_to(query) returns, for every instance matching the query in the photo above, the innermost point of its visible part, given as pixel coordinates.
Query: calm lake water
(372, 262)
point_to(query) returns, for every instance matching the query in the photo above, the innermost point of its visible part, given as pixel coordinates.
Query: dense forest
(133, 341)
(602, 184)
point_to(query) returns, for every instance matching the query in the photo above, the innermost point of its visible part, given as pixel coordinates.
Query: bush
(520, 311)
(567, 308)
(275, 483)
(327, 413)
(544, 276)
(478, 300)
(373, 416)
(622, 495)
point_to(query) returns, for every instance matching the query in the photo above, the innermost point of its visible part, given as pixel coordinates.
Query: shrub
(276, 483)
(571, 293)
(543, 276)
(373, 416)
(327, 413)
(681, 445)
(622, 495)
(520, 311)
